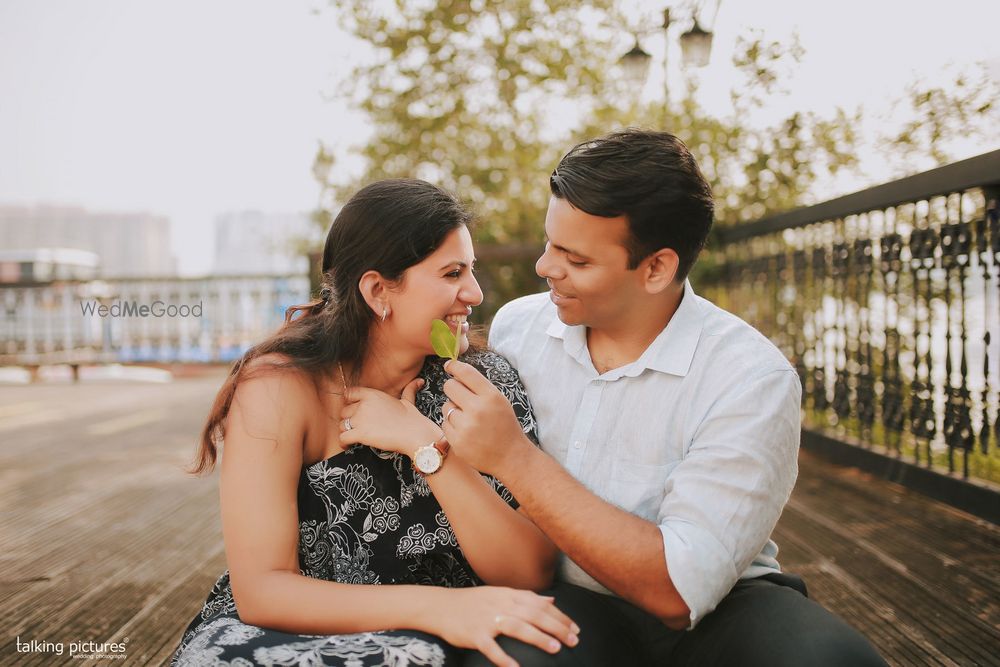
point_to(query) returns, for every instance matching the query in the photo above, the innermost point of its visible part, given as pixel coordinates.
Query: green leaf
(443, 340)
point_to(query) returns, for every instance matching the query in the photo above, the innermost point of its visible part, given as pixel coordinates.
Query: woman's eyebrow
(460, 263)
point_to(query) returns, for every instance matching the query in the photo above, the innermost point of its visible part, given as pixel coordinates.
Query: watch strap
(442, 445)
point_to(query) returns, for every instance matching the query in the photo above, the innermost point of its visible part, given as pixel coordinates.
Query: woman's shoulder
(493, 365)
(274, 378)
(272, 364)
(486, 359)
(496, 368)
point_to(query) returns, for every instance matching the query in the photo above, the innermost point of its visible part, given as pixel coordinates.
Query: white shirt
(699, 435)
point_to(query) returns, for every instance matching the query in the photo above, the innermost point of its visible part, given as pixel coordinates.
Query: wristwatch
(428, 459)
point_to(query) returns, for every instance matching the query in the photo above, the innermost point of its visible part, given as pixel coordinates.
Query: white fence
(152, 320)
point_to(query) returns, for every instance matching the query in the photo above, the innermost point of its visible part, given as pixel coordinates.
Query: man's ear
(375, 291)
(659, 270)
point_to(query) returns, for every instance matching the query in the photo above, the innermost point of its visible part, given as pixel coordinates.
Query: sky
(191, 109)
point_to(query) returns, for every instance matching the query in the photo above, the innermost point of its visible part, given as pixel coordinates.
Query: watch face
(427, 460)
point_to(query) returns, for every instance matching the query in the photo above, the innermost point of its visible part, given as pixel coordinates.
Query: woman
(344, 554)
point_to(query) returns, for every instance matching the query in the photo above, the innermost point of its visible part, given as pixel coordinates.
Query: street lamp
(696, 48)
(696, 45)
(635, 64)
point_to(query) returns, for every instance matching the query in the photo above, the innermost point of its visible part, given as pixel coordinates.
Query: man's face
(586, 266)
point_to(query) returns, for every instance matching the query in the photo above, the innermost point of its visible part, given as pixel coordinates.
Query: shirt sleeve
(724, 498)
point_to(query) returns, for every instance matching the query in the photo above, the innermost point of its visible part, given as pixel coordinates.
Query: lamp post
(696, 50)
(635, 64)
(696, 45)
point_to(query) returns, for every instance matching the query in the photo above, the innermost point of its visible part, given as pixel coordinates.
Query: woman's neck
(388, 371)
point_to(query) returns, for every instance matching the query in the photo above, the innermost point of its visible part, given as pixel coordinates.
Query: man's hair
(649, 177)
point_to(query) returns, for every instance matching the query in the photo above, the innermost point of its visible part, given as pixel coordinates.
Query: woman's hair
(387, 226)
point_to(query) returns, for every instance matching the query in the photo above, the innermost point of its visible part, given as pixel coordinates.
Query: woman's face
(442, 287)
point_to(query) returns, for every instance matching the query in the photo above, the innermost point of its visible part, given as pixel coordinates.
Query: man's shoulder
(522, 315)
(733, 343)
(525, 306)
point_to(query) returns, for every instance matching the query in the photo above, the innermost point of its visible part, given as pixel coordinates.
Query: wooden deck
(105, 539)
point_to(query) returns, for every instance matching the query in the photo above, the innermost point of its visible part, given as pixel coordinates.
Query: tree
(937, 116)
(754, 170)
(483, 98)
(459, 94)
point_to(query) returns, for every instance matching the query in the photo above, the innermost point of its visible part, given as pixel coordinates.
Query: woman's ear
(375, 291)
(660, 269)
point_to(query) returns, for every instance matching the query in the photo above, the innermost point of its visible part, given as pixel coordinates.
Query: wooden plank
(955, 554)
(161, 624)
(107, 524)
(946, 625)
(845, 595)
(109, 539)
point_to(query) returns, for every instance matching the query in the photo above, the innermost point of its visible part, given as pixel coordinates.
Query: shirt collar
(670, 352)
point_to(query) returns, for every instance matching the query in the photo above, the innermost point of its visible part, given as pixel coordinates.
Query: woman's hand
(381, 421)
(473, 617)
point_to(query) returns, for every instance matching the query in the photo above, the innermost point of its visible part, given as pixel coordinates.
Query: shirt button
(577, 445)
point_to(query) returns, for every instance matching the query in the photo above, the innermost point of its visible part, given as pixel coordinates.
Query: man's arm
(580, 523)
(721, 503)
(618, 549)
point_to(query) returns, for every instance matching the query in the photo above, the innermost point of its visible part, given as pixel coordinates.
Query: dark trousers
(765, 622)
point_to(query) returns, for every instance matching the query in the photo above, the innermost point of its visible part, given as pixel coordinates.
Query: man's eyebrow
(565, 249)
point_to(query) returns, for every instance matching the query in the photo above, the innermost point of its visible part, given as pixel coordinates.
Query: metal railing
(886, 301)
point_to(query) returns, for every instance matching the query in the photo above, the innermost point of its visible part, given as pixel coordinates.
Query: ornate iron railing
(886, 301)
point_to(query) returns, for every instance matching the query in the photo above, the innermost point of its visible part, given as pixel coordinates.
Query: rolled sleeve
(723, 500)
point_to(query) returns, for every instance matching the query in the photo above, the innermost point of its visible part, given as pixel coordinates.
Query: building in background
(256, 243)
(78, 287)
(128, 244)
(47, 265)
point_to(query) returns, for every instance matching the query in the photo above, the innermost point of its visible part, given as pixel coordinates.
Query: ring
(347, 424)
(446, 418)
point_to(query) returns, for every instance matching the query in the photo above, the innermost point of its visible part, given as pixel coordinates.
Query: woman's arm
(503, 546)
(260, 469)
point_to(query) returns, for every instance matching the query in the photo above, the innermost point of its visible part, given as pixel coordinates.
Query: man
(669, 430)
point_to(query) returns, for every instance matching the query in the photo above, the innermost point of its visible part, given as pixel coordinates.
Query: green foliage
(445, 343)
(483, 98)
(458, 94)
(753, 170)
(938, 115)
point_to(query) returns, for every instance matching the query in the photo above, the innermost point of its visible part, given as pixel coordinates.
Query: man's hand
(479, 421)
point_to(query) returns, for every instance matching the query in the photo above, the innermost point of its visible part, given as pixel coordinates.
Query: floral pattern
(390, 649)
(365, 517)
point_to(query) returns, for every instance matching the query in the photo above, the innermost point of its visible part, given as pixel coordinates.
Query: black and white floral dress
(365, 517)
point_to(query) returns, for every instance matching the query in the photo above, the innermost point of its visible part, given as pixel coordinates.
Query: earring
(385, 311)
